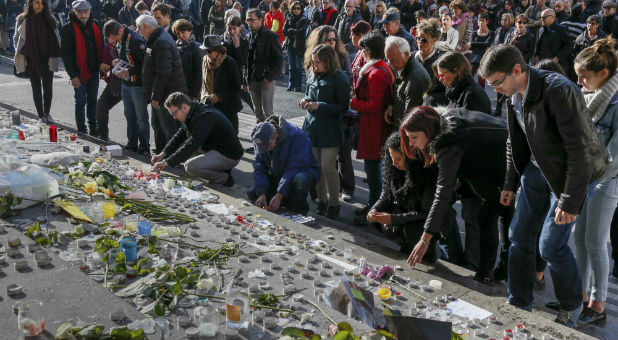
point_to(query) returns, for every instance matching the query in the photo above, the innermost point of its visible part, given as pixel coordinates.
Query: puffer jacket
(560, 135)
(295, 31)
(162, 73)
(469, 150)
(291, 155)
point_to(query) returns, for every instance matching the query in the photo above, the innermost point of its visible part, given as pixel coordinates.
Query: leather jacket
(560, 135)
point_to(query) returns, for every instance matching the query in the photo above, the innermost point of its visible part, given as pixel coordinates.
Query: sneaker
(345, 197)
(590, 316)
(333, 211)
(321, 209)
(568, 318)
(250, 150)
(539, 284)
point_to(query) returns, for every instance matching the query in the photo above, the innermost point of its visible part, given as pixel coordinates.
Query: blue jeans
(296, 199)
(86, 102)
(591, 234)
(531, 217)
(295, 74)
(136, 112)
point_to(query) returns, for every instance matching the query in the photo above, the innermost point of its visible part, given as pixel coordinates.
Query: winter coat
(274, 21)
(292, 154)
(128, 16)
(468, 94)
(324, 127)
(436, 85)
(373, 94)
(227, 82)
(343, 24)
(411, 84)
(191, 56)
(133, 51)
(19, 39)
(554, 42)
(402, 33)
(582, 41)
(560, 135)
(295, 32)
(239, 54)
(215, 18)
(525, 44)
(610, 25)
(69, 49)
(376, 21)
(468, 151)
(265, 55)
(448, 45)
(321, 17)
(501, 34)
(205, 128)
(162, 72)
(96, 12)
(205, 6)
(111, 10)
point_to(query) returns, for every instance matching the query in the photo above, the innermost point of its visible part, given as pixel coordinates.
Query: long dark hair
(421, 118)
(415, 174)
(46, 13)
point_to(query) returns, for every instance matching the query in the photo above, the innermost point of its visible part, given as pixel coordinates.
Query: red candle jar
(53, 134)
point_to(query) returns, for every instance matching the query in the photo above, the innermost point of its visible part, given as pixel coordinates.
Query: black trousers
(107, 100)
(344, 164)
(613, 236)
(42, 76)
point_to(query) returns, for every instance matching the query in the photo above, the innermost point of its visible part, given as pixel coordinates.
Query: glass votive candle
(109, 209)
(144, 227)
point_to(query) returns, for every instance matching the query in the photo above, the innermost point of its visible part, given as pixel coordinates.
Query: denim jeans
(296, 199)
(591, 234)
(86, 102)
(373, 169)
(164, 126)
(295, 75)
(531, 217)
(136, 113)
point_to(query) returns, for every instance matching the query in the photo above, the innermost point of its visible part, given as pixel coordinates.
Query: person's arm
(200, 130)
(232, 75)
(196, 77)
(179, 137)
(138, 50)
(260, 174)
(276, 57)
(68, 52)
(375, 102)
(567, 46)
(448, 161)
(163, 64)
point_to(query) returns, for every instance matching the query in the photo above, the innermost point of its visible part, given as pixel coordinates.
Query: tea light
(270, 322)
(275, 266)
(12, 252)
(323, 272)
(20, 264)
(326, 265)
(336, 272)
(317, 283)
(265, 259)
(259, 315)
(289, 289)
(14, 243)
(311, 267)
(184, 321)
(254, 288)
(290, 268)
(191, 333)
(32, 247)
(13, 289)
(264, 285)
(306, 276)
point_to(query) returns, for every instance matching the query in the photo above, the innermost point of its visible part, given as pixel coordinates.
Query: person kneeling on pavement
(202, 127)
(284, 166)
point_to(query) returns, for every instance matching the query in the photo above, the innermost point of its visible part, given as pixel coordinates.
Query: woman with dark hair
(357, 31)
(373, 93)
(506, 8)
(406, 198)
(454, 71)
(190, 55)
(522, 7)
(274, 20)
(216, 18)
(468, 149)
(326, 100)
(37, 52)
(481, 40)
(220, 79)
(326, 34)
(295, 30)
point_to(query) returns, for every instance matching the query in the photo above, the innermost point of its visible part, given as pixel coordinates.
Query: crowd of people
(403, 84)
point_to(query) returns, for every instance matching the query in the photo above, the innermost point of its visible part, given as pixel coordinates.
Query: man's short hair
(111, 27)
(146, 20)
(141, 6)
(163, 9)
(182, 25)
(176, 99)
(501, 58)
(257, 12)
(401, 43)
(595, 18)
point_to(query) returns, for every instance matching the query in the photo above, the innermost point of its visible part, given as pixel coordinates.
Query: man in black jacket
(344, 21)
(131, 49)
(82, 48)
(163, 14)
(555, 153)
(610, 20)
(203, 127)
(264, 64)
(128, 14)
(554, 42)
(162, 75)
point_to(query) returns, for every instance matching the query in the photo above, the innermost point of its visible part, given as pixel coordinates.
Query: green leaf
(344, 326)
(341, 335)
(387, 334)
(124, 333)
(298, 333)
(181, 272)
(160, 309)
(176, 289)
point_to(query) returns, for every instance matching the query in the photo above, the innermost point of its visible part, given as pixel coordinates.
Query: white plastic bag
(28, 181)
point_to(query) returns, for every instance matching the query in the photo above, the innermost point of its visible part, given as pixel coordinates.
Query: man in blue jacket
(284, 166)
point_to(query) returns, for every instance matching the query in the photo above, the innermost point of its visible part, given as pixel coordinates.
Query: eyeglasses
(175, 112)
(251, 19)
(296, 8)
(331, 40)
(522, 22)
(498, 83)
(546, 16)
(423, 40)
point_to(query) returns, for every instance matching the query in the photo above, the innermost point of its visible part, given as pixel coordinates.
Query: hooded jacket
(291, 155)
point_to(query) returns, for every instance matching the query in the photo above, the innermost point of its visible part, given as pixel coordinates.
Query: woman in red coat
(373, 92)
(274, 19)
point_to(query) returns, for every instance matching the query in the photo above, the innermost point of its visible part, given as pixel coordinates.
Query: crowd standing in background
(403, 83)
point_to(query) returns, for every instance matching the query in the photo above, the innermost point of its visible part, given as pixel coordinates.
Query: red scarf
(82, 64)
(328, 12)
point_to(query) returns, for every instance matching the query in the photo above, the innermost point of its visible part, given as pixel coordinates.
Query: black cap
(211, 41)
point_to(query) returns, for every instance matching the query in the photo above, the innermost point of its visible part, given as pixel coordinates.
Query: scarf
(41, 40)
(182, 45)
(597, 101)
(209, 66)
(81, 53)
(459, 20)
(327, 12)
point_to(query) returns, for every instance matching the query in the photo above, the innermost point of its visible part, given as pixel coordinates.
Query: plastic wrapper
(28, 181)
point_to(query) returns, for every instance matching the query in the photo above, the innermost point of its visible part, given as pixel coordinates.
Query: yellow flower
(90, 188)
(108, 192)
